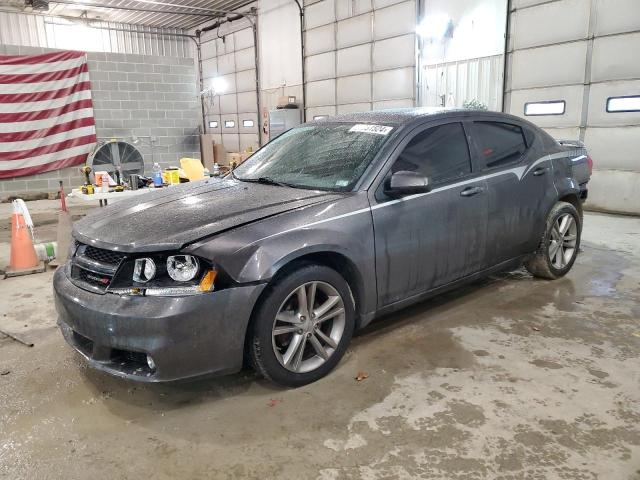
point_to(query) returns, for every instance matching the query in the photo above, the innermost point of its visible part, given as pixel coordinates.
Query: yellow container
(171, 176)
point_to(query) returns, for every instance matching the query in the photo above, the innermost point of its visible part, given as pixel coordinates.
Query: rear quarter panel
(571, 171)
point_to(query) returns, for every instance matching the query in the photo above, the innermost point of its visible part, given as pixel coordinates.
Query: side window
(440, 153)
(499, 143)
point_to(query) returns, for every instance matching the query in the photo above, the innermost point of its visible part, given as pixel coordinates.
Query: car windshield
(328, 157)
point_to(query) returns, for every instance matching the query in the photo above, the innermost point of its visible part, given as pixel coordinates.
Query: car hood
(172, 217)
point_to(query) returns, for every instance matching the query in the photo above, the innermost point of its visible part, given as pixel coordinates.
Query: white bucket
(46, 251)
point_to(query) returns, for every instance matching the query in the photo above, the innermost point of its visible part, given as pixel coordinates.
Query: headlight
(164, 274)
(144, 270)
(182, 268)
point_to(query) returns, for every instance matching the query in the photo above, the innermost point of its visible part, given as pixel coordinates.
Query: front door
(430, 239)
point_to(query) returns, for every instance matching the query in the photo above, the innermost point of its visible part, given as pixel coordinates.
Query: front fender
(268, 258)
(254, 254)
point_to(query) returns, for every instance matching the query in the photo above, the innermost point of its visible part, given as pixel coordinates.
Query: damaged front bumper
(185, 336)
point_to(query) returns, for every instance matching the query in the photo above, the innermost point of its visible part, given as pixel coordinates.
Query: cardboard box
(220, 155)
(235, 157)
(208, 146)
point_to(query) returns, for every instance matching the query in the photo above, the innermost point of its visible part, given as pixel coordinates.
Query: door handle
(470, 191)
(539, 171)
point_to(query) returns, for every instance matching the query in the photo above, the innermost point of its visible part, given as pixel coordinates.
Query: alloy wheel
(308, 327)
(563, 240)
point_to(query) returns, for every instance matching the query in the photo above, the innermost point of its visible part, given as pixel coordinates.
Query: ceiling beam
(133, 9)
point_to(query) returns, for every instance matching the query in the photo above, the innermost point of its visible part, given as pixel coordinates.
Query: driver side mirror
(406, 183)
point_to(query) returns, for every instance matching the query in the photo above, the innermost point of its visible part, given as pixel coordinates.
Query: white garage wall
(360, 55)
(228, 59)
(586, 53)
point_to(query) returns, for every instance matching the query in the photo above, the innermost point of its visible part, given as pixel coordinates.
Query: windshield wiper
(267, 181)
(271, 181)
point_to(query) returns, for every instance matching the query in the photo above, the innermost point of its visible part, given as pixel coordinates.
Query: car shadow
(176, 395)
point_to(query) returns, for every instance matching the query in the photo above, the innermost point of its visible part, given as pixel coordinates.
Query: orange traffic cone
(23, 258)
(23, 255)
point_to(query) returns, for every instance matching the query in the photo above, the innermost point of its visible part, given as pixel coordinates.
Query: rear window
(499, 143)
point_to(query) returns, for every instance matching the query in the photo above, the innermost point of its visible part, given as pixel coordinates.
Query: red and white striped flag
(46, 113)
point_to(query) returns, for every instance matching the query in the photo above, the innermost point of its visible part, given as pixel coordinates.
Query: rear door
(520, 186)
(427, 240)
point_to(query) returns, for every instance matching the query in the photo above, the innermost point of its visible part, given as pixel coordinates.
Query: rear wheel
(303, 326)
(559, 245)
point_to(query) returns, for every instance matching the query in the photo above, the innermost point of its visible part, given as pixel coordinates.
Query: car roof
(404, 116)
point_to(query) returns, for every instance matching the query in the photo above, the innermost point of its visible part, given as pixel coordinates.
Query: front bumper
(186, 336)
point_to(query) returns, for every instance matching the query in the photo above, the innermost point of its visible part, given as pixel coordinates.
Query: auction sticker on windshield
(375, 129)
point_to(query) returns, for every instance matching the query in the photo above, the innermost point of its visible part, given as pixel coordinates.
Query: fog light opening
(151, 363)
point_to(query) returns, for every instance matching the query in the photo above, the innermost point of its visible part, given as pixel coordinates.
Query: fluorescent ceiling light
(229, 124)
(320, 117)
(213, 124)
(555, 107)
(219, 85)
(624, 104)
(247, 123)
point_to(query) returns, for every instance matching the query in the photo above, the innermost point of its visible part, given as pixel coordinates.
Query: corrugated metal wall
(451, 84)
(360, 55)
(582, 52)
(228, 54)
(50, 32)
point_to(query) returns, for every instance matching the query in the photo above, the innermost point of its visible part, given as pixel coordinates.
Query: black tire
(261, 348)
(540, 264)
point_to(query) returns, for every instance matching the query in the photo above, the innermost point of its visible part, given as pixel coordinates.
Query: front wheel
(303, 326)
(560, 243)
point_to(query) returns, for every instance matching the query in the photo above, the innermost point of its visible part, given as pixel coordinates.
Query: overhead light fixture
(247, 123)
(434, 26)
(219, 85)
(229, 124)
(213, 124)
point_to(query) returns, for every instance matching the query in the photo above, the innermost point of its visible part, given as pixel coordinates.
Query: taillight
(590, 164)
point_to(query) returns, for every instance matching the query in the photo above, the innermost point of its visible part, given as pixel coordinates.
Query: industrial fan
(115, 153)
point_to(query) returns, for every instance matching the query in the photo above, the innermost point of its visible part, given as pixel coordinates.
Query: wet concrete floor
(508, 378)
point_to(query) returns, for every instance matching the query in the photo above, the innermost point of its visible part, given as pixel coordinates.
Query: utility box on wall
(282, 120)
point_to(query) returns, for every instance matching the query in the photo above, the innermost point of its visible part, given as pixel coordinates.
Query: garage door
(579, 78)
(229, 67)
(360, 55)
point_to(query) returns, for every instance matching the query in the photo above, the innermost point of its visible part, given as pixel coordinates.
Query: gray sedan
(328, 226)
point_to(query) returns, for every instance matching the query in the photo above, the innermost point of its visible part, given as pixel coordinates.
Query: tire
(279, 325)
(551, 261)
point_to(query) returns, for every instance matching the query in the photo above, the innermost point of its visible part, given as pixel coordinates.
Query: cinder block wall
(137, 95)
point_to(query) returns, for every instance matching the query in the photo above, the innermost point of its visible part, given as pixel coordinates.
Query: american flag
(46, 113)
